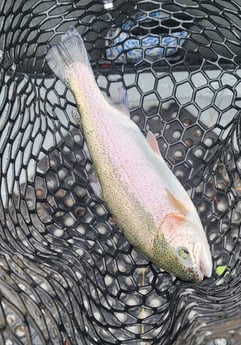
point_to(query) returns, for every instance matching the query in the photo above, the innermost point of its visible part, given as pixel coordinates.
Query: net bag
(68, 275)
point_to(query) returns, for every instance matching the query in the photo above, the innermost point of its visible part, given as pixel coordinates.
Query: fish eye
(183, 253)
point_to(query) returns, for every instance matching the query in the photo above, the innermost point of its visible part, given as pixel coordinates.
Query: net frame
(68, 275)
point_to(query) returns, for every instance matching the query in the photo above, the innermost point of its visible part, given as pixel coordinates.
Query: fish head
(182, 248)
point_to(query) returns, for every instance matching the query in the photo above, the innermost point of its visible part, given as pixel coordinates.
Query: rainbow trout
(147, 201)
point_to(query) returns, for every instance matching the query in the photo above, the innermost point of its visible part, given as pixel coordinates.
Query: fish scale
(149, 204)
(124, 148)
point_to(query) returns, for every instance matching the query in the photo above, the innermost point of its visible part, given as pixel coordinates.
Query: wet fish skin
(148, 202)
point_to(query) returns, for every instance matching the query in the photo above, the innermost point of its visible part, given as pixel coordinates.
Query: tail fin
(62, 56)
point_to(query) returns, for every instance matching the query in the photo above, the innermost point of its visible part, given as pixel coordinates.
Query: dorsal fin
(177, 204)
(75, 115)
(152, 141)
(120, 101)
(94, 183)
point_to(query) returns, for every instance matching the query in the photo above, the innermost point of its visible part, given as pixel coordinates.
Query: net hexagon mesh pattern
(68, 275)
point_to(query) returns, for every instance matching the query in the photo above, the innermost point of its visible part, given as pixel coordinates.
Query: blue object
(124, 47)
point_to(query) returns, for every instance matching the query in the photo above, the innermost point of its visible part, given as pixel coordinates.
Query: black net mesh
(68, 275)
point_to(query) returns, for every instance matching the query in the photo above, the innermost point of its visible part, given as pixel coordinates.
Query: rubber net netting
(67, 274)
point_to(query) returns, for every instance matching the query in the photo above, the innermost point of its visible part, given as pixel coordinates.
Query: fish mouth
(204, 268)
(204, 262)
(201, 271)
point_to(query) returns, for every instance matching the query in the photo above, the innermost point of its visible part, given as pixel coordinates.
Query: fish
(147, 201)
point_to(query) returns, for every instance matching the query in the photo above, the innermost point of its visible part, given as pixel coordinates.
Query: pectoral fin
(152, 141)
(169, 224)
(177, 204)
(173, 218)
